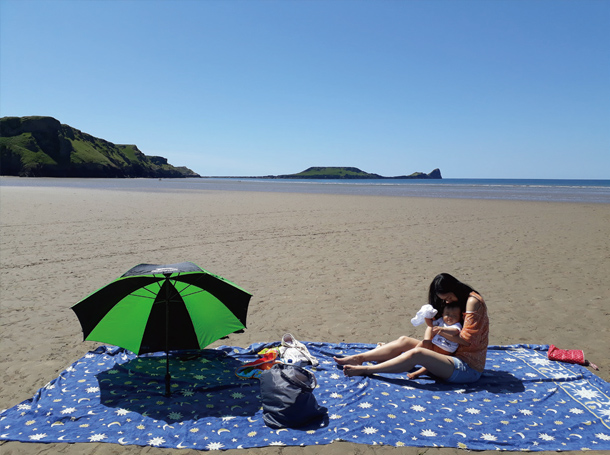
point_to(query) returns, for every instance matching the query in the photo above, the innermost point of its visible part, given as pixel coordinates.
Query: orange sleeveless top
(476, 332)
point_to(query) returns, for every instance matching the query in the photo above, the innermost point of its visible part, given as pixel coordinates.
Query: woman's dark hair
(444, 283)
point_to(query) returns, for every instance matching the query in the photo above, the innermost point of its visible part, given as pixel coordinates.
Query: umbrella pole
(168, 377)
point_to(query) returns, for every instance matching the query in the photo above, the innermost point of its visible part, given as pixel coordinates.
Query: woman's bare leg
(437, 364)
(381, 353)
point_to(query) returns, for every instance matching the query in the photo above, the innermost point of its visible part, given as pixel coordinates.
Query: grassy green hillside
(334, 173)
(41, 146)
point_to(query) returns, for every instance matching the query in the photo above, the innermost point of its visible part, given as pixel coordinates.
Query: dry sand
(323, 267)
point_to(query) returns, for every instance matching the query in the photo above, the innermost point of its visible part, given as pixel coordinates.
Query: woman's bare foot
(349, 360)
(355, 370)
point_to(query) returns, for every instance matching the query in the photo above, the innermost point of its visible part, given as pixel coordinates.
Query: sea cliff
(43, 147)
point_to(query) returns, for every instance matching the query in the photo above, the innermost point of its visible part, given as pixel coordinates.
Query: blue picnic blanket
(522, 402)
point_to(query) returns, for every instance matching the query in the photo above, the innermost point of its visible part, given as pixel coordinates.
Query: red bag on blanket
(569, 356)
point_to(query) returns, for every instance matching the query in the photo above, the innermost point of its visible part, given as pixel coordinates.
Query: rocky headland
(43, 147)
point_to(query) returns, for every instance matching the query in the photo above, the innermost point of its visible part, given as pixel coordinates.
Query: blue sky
(479, 89)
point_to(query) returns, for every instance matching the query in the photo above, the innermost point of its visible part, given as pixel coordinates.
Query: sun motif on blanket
(156, 441)
(38, 436)
(588, 394)
(97, 437)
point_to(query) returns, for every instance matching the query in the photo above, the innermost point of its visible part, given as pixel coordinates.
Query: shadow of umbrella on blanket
(154, 308)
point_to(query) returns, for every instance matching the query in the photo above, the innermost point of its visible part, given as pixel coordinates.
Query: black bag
(287, 396)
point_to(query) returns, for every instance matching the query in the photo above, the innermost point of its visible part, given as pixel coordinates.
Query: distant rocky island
(43, 147)
(345, 173)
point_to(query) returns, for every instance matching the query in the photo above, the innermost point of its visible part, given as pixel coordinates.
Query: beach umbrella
(154, 308)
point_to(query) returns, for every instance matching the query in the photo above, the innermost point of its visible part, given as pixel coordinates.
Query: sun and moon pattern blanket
(522, 402)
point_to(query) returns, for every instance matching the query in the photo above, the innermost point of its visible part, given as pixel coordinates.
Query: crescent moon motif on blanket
(403, 430)
(423, 419)
(393, 404)
(83, 399)
(460, 433)
(167, 425)
(251, 420)
(577, 435)
(114, 423)
(522, 435)
(121, 441)
(281, 429)
(223, 430)
(478, 423)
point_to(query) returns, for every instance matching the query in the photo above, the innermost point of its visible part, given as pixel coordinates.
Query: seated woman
(402, 355)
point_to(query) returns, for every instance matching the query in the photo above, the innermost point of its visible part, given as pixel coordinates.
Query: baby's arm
(451, 334)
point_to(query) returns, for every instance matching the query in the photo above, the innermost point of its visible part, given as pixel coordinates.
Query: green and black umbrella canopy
(155, 308)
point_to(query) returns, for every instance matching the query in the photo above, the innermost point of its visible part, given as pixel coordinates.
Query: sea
(579, 191)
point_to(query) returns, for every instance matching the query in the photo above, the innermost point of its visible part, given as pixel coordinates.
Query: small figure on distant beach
(402, 355)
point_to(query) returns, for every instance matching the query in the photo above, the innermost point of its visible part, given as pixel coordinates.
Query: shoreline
(576, 191)
(323, 267)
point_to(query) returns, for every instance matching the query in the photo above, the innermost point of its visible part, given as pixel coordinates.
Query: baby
(443, 335)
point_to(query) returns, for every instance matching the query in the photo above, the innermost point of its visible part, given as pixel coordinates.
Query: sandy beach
(322, 267)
